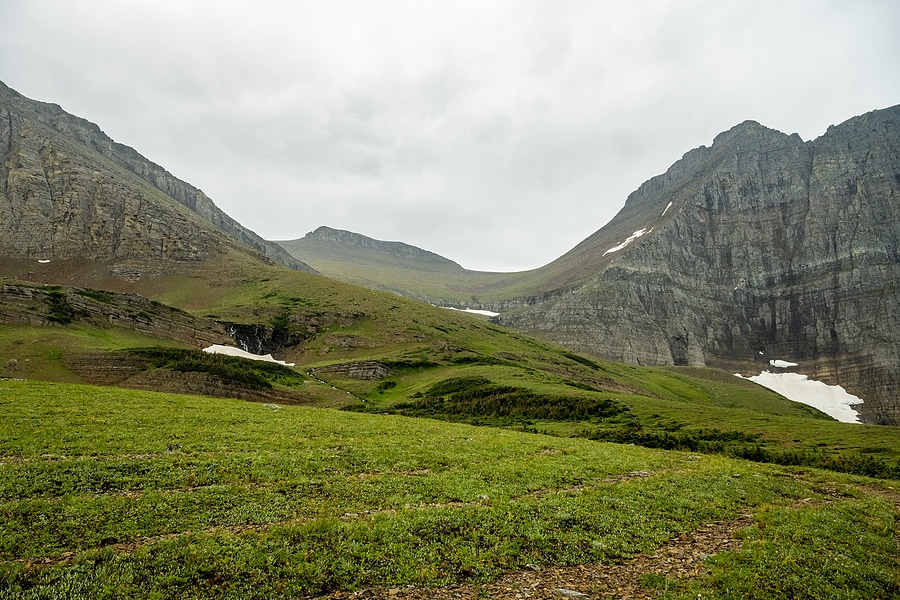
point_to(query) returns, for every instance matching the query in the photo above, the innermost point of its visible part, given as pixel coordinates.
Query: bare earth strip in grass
(682, 558)
(42, 562)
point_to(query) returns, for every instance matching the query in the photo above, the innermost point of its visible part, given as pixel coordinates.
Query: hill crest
(395, 249)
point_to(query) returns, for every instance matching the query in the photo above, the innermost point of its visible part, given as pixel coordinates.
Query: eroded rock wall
(67, 189)
(772, 248)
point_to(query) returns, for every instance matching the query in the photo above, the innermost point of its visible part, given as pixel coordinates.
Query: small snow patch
(668, 206)
(43, 261)
(473, 311)
(232, 351)
(833, 400)
(630, 239)
(782, 364)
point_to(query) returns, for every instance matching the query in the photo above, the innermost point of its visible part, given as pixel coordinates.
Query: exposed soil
(681, 558)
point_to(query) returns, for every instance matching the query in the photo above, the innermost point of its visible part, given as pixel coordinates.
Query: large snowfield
(833, 400)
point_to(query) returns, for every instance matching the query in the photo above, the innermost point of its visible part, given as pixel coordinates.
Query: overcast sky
(496, 133)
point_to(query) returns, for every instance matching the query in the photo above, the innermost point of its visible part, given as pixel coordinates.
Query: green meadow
(112, 493)
(480, 452)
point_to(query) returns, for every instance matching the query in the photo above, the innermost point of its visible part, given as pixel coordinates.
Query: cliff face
(760, 247)
(67, 189)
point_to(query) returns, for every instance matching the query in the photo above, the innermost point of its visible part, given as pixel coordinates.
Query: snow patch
(668, 206)
(833, 400)
(630, 239)
(782, 364)
(232, 351)
(43, 261)
(473, 311)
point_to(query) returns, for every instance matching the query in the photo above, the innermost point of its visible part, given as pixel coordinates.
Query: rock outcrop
(264, 339)
(128, 371)
(362, 369)
(759, 247)
(68, 190)
(47, 305)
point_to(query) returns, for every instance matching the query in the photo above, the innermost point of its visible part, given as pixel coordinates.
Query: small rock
(564, 593)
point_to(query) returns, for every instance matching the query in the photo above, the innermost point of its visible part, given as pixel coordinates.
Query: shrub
(231, 368)
(476, 398)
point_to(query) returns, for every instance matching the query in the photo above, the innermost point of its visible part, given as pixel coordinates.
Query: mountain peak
(71, 192)
(356, 240)
(750, 131)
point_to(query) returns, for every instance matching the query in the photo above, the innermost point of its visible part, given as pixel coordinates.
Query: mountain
(761, 247)
(391, 266)
(223, 486)
(67, 190)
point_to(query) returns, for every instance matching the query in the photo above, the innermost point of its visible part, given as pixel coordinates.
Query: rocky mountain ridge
(70, 190)
(759, 247)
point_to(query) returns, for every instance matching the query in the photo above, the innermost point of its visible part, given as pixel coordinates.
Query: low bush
(231, 368)
(474, 399)
(748, 446)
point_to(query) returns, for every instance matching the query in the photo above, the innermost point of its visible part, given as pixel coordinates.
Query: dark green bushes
(856, 464)
(748, 446)
(61, 311)
(476, 398)
(231, 368)
(702, 440)
(582, 360)
(408, 364)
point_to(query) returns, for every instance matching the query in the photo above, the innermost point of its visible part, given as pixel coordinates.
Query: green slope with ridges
(117, 493)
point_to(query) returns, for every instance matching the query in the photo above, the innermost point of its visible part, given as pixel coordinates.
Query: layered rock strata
(759, 247)
(68, 190)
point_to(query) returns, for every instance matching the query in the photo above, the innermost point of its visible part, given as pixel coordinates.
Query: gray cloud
(498, 134)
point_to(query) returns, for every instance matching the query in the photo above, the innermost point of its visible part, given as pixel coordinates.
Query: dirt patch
(681, 558)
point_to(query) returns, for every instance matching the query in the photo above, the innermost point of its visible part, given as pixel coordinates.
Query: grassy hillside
(417, 347)
(440, 282)
(359, 260)
(116, 493)
(476, 453)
